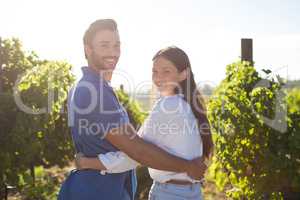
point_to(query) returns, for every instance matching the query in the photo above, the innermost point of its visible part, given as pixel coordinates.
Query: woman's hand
(197, 168)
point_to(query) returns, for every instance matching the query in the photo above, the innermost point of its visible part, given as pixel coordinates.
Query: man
(99, 124)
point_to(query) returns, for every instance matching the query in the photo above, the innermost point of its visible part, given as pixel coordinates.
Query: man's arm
(111, 162)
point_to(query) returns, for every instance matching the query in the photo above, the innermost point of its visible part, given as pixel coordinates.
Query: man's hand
(78, 160)
(197, 168)
(83, 162)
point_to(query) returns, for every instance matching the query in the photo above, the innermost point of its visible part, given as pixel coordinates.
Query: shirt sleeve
(96, 110)
(117, 162)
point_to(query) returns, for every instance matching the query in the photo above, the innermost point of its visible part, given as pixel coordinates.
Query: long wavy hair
(190, 92)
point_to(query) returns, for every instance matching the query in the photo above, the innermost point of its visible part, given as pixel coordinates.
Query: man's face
(104, 51)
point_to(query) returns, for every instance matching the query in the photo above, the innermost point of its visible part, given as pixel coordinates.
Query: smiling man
(99, 124)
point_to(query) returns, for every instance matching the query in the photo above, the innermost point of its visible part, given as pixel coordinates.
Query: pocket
(177, 192)
(196, 195)
(161, 195)
(151, 197)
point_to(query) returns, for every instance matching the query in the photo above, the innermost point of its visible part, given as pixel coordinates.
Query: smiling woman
(165, 76)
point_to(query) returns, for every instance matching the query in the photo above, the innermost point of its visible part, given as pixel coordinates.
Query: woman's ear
(183, 75)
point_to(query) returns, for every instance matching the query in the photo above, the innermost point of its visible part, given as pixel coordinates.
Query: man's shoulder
(89, 85)
(86, 92)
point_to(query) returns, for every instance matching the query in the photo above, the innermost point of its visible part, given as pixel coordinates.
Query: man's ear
(87, 50)
(183, 75)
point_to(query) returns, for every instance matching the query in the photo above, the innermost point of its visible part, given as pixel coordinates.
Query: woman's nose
(158, 78)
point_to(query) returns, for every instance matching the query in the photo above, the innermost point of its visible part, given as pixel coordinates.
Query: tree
(28, 139)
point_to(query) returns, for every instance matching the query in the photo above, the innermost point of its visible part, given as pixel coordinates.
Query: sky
(209, 32)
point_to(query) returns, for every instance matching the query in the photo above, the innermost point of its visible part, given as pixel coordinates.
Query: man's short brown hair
(98, 25)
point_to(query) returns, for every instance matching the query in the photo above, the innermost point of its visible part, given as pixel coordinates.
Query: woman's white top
(172, 126)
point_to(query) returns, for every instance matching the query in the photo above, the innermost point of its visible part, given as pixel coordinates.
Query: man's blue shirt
(93, 110)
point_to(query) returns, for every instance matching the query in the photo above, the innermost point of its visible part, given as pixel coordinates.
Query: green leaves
(243, 111)
(133, 109)
(33, 139)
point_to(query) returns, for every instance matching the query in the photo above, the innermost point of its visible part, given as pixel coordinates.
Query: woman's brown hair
(190, 92)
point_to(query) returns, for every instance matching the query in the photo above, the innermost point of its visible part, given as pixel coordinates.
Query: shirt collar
(175, 95)
(90, 73)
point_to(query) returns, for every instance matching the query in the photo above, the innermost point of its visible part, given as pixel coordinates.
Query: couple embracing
(174, 141)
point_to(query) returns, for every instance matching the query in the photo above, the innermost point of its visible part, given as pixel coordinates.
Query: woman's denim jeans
(167, 191)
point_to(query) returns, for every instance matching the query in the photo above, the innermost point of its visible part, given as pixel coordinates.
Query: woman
(174, 124)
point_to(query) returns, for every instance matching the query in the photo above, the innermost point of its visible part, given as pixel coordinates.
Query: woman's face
(166, 76)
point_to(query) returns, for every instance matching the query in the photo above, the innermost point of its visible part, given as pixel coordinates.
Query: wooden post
(1, 63)
(247, 50)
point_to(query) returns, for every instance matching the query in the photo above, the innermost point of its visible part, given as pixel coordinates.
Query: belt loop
(194, 186)
(165, 185)
(159, 184)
